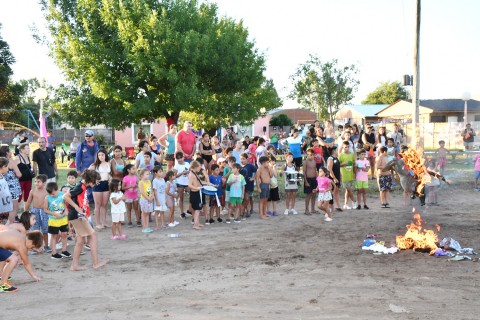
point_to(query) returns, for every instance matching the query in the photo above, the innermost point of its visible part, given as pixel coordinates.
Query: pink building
(128, 137)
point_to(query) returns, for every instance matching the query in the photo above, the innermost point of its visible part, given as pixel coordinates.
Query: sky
(375, 35)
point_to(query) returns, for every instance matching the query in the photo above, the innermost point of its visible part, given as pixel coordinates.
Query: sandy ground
(291, 267)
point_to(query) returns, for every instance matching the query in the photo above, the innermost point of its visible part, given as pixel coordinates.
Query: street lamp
(465, 97)
(41, 94)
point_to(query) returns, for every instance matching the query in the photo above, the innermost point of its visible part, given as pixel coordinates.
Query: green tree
(387, 93)
(10, 92)
(282, 120)
(133, 60)
(323, 87)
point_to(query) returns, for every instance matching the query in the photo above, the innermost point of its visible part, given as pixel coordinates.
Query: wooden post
(416, 139)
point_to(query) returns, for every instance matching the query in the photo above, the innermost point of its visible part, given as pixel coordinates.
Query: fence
(450, 132)
(63, 136)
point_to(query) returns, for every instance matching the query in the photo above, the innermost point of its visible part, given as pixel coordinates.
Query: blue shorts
(4, 254)
(264, 190)
(90, 194)
(477, 174)
(180, 185)
(41, 222)
(102, 186)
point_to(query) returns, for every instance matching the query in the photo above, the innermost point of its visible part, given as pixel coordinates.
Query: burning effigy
(418, 237)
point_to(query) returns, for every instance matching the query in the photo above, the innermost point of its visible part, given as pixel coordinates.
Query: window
(438, 119)
(147, 129)
(477, 117)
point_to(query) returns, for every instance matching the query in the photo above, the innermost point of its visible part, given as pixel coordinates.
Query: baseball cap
(89, 132)
(220, 160)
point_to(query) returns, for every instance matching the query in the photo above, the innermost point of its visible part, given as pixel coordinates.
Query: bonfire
(417, 237)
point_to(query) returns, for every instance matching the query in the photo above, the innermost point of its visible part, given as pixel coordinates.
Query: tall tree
(323, 86)
(10, 92)
(133, 60)
(386, 93)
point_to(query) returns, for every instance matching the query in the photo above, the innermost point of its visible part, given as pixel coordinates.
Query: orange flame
(418, 237)
(415, 161)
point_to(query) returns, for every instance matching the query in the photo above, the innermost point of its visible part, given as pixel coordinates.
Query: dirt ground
(291, 267)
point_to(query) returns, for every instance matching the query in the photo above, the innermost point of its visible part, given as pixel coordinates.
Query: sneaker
(355, 205)
(269, 213)
(139, 224)
(66, 254)
(171, 225)
(275, 214)
(243, 218)
(147, 230)
(57, 256)
(87, 246)
(7, 287)
(123, 236)
(227, 221)
(252, 212)
(328, 219)
(346, 207)
(339, 209)
(248, 215)
(237, 220)
(308, 213)
(294, 211)
(207, 222)
(286, 212)
(387, 205)
(115, 238)
(188, 212)
(183, 215)
(219, 220)
(176, 223)
(366, 207)
(130, 225)
(211, 221)
(359, 207)
(47, 249)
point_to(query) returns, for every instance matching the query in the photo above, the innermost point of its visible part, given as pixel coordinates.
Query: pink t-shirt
(477, 162)
(187, 143)
(323, 184)
(128, 181)
(361, 175)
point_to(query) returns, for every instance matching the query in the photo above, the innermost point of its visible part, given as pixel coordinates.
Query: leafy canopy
(282, 120)
(133, 60)
(386, 93)
(10, 92)
(323, 86)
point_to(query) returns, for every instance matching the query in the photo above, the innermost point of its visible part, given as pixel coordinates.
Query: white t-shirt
(120, 206)
(183, 179)
(159, 185)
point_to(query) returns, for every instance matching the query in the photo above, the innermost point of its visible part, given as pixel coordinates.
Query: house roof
(402, 107)
(450, 104)
(359, 111)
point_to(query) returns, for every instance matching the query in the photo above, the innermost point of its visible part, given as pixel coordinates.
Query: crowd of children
(220, 185)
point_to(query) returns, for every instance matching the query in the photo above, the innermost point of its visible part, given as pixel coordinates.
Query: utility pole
(416, 139)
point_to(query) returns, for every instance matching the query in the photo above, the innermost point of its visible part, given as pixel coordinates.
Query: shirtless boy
(12, 240)
(36, 198)
(310, 181)
(264, 174)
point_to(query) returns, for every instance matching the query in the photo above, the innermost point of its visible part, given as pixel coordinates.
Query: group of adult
(22, 169)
